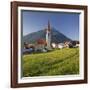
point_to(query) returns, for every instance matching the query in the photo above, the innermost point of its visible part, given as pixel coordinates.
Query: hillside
(57, 62)
(56, 37)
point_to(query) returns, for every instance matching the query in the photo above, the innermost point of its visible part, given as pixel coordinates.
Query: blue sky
(66, 23)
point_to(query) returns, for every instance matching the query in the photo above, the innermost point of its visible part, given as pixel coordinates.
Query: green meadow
(56, 62)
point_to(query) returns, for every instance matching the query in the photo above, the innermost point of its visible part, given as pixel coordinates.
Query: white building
(60, 45)
(53, 45)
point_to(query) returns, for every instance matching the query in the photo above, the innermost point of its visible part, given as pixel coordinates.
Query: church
(45, 44)
(42, 45)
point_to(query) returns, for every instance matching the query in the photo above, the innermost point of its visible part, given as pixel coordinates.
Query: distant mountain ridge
(56, 36)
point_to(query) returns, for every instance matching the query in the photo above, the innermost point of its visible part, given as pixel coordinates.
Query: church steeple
(49, 27)
(48, 36)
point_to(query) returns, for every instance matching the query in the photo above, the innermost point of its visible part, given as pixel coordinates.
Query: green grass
(56, 62)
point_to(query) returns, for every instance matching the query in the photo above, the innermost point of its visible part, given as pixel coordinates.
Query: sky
(66, 23)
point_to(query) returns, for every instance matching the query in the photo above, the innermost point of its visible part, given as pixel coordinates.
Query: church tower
(48, 36)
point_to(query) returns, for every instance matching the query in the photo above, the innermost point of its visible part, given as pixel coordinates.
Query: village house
(67, 44)
(71, 44)
(40, 45)
(28, 48)
(59, 45)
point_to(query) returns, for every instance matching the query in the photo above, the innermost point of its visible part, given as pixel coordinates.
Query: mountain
(56, 36)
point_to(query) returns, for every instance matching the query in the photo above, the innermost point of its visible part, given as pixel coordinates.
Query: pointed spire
(49, 27)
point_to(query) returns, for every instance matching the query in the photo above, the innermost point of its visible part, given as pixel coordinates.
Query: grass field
(56, 62)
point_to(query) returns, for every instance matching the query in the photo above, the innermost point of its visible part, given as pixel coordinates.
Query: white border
(51, 78)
